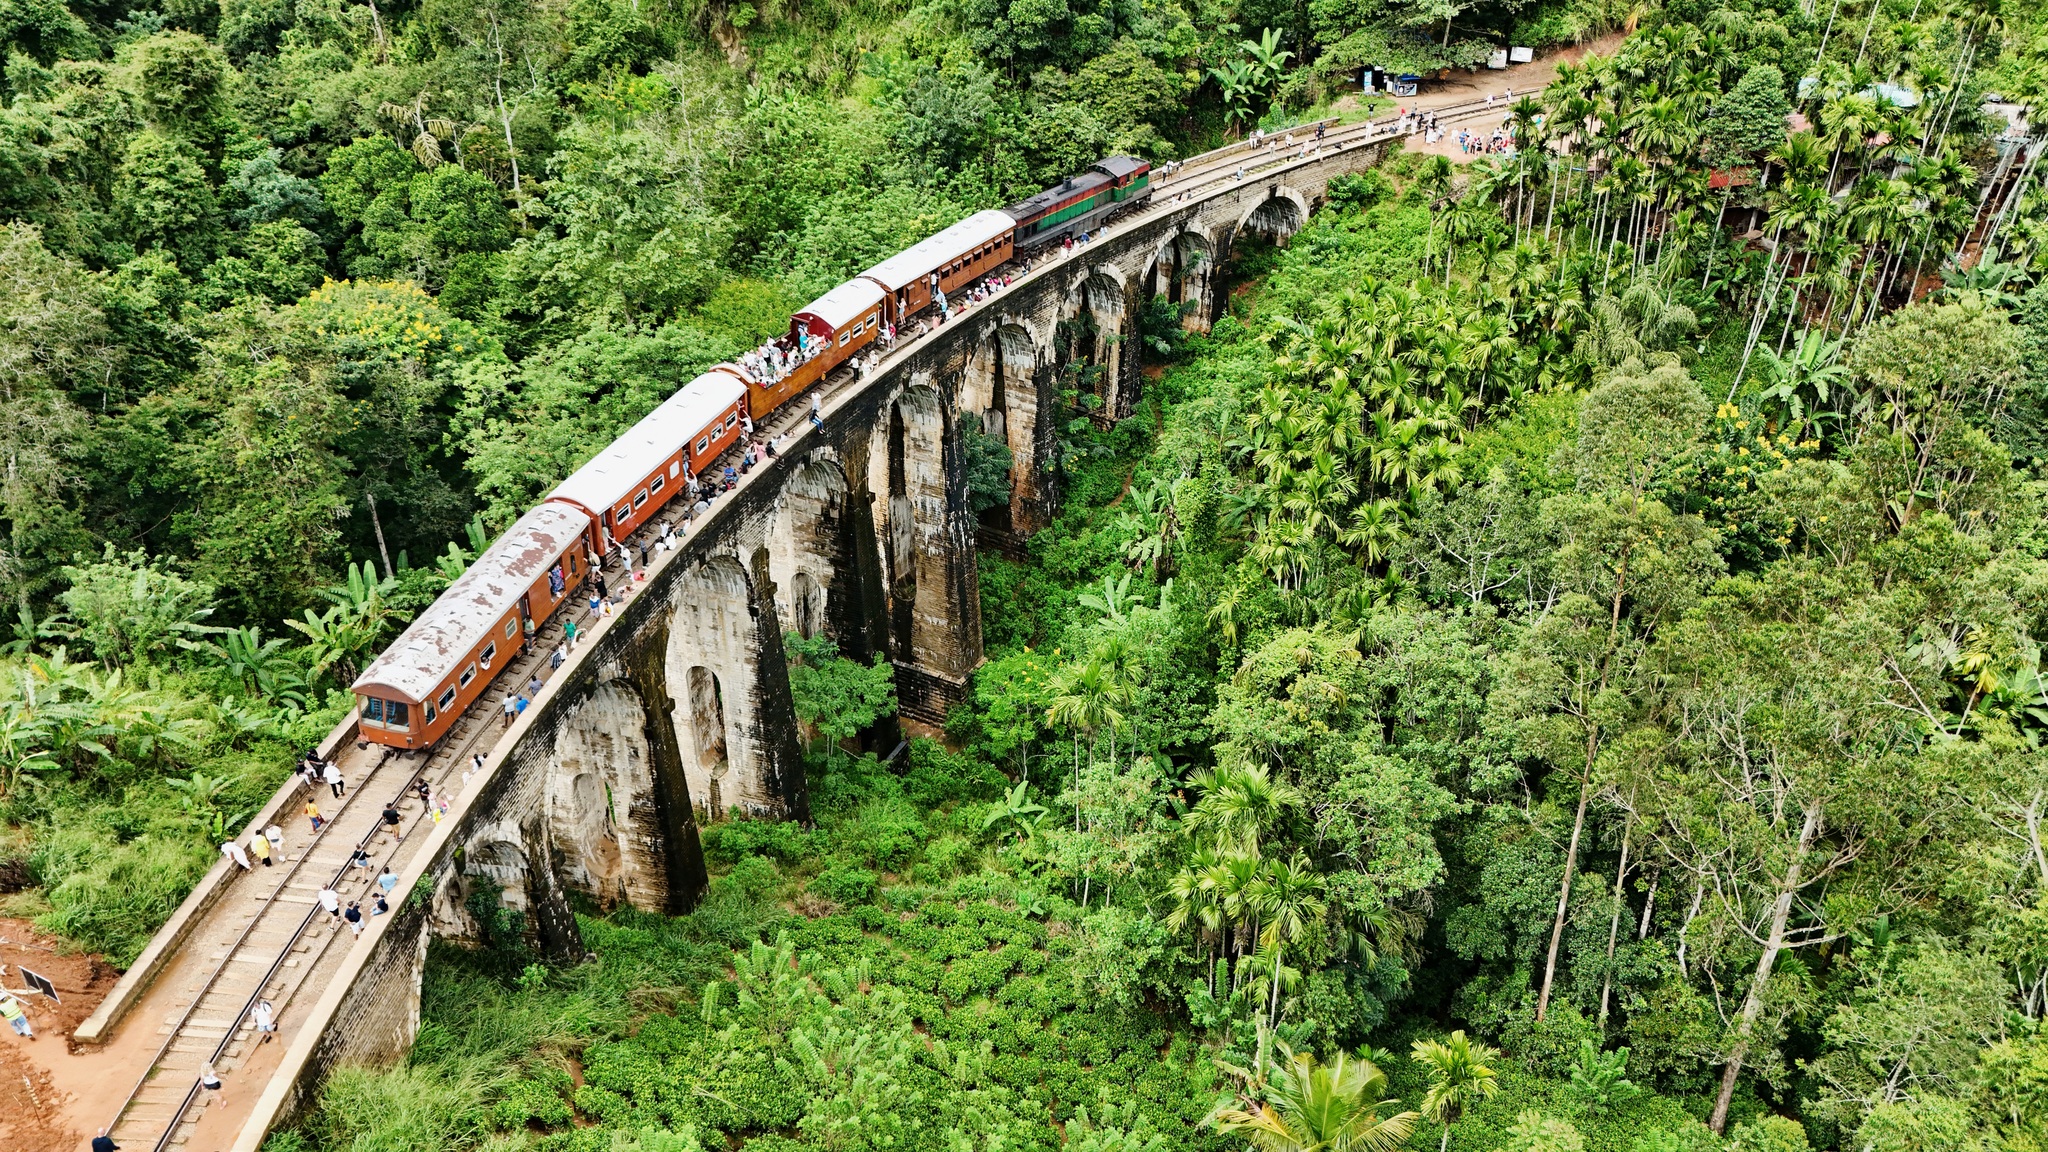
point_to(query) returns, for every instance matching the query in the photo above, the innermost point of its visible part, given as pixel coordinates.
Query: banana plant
(1027, 814)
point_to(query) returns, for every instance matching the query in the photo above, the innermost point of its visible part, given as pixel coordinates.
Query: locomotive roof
(612, 475)
(843, 305)
(453, 625)
(918, 260)
(1065, 190)
(1121, 166)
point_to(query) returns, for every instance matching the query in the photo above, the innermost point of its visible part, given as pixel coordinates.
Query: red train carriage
(626, 484)
(821, 337)
(958, 256)
(412, 694)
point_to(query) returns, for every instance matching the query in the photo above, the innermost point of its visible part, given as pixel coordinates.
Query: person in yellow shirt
(15, 1015)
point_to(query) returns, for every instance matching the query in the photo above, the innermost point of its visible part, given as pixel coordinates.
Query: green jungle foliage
(1554, 668)
(1331, 685)
(294, 293)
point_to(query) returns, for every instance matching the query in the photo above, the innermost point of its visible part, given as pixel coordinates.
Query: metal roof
(455, 624)
(844, 304)
(1065, 190)
(613, 474)
(1120, 166)
(920, 259)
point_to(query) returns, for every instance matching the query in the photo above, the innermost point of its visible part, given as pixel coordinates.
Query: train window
(511, 626)
(490, 653)
(731, 418)
(468, 674)
(675, 469)
(373, 710)
(430, 712)
(703, 445)
(395, 716)
(447, 699)
(640, 498)
(844, 337)
(625, 513)
(655, 484)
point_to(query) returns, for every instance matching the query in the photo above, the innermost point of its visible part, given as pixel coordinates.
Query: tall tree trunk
(377, 526)
(1564, 889)
(1614, 924)
(1571, 856)
(1753, 1003)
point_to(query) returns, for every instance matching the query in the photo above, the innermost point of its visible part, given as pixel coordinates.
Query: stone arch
(446, 917)
(808, 553)
(1183, 270)
(1000, 387)
(1277, 216)
(807, 605)
(1096, 326)
(602, 817)
(931, 614)
(497, 853)
(710, 662)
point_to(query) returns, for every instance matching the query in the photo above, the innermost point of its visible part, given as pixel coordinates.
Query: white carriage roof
(845, 304)
(458, 621)
(613, 474)
(921, 258)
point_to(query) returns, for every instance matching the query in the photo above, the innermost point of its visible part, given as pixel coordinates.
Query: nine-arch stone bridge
(679, 706)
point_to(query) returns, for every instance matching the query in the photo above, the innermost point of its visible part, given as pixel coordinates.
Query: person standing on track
(330, 901)
(259, 847)
(392, 819)
(313, 814)
(332, 774)
(512, 708)
(265, 1015)
(275, 835)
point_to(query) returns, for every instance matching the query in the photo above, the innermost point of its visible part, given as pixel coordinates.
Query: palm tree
(1315, 1107)
(1289, 898)
(1459, 1077)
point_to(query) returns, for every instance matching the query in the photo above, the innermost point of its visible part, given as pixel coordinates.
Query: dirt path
(1521, 79)
(51, 1096)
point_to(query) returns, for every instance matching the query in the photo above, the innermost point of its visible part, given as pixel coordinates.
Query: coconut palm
(1459, 1077)
(1316, 1107)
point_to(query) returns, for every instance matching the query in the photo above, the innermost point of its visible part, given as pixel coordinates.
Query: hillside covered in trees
(1555, 669)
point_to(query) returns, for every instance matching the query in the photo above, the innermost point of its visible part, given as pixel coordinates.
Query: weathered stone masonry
(680, 708)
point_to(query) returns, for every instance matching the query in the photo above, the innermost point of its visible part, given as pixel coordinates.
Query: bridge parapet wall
(678, 706)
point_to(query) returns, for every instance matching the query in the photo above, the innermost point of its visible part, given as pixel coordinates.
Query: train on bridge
(411, 695)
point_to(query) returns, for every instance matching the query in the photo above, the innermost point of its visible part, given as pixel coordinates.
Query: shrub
(845, 885)
(728, 842)
(1768, 1134)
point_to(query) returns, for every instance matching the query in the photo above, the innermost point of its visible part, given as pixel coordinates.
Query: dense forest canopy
(1556, 668)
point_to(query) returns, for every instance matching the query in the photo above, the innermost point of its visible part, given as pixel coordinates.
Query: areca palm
(1459, 1077)
(1240, 805)
(1289, 898)
(1315, 1107)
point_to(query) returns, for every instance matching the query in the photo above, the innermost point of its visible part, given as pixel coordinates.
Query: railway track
(268, 939)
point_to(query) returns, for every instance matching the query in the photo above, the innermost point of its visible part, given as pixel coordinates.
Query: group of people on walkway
(1500, 143)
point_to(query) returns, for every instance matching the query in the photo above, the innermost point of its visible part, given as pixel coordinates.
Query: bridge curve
(677, 706)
